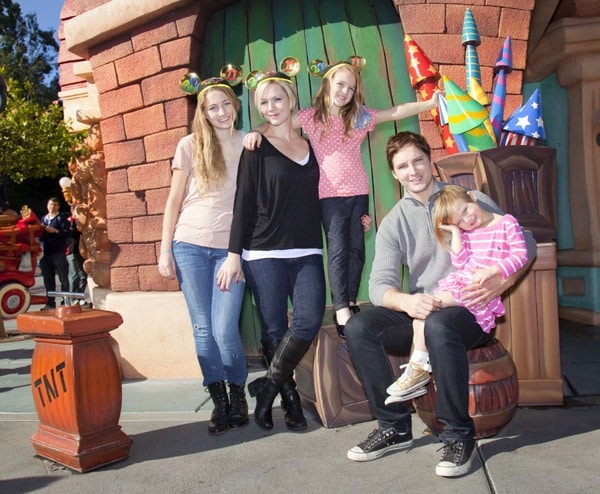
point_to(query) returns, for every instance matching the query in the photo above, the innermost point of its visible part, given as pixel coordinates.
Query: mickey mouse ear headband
(319, 69)
(288, 68)
(229, 76)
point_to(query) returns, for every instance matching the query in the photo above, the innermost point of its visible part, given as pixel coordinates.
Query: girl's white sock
(421, 358)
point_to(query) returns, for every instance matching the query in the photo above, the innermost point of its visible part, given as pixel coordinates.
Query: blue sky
(47, 11)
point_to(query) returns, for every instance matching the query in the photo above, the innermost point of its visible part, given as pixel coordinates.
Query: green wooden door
(258, 34)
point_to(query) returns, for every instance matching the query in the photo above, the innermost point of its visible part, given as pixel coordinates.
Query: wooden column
(530, 333)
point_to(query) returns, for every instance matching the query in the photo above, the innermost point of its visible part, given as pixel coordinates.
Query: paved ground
(543, 449)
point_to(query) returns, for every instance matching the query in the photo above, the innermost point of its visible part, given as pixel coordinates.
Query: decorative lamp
(65, 185)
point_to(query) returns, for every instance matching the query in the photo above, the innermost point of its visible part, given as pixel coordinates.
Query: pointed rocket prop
(456, 141)
(502, 68)
(423, 77)
(466, 117)
(462, 117)
(471, 40)
(526, 125)
(478, 94)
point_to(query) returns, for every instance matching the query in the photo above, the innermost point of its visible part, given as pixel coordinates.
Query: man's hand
(417, 305)
(480, 276)
(481, 294)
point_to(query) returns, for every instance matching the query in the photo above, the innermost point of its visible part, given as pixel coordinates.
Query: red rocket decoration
(423, 77)
(462, 117)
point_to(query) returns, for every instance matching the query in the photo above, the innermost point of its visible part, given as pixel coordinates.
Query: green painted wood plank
(236, 53)
(260, 43)
(315, 44)
(250, 329)
(367, 43)
(213, 53)
(288, 21)
(338, 41)
(392, 35)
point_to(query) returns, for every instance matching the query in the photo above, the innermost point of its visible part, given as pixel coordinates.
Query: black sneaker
(379, 443)
(456, 459)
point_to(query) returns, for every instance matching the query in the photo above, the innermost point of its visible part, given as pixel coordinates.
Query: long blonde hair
(209, 168)
(348, 113)
(444, 207)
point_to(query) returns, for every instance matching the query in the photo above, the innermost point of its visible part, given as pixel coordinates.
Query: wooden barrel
(493, 391)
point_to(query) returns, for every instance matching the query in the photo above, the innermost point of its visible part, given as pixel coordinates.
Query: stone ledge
(111, 19)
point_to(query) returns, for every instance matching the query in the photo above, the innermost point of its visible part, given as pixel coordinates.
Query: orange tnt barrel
(76, 387)
(493, 391)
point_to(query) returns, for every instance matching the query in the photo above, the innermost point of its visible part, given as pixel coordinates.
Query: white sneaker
(408, 396)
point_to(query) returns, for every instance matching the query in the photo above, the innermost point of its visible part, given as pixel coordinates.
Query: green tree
(28, 53)
(35, 143)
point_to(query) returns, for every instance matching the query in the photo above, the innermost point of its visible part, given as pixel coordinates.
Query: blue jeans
(341, 217)
(273, 281)
(449, 333)
(214, 313)
(51, 265)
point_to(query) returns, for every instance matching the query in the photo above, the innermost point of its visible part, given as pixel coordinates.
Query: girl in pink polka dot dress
(336, 126)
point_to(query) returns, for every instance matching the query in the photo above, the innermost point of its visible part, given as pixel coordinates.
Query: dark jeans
(341, 217)
(273, 281)
(449, 333)
(51, 265)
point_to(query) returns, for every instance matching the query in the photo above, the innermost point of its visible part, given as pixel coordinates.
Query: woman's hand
(231, 269)
(166, 264)
(252, 140)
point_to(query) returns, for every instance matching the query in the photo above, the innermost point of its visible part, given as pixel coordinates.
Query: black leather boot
(238, 407)
(289, 352)
(219, 418)
(292, 407)
(265, 392)
(290, 399)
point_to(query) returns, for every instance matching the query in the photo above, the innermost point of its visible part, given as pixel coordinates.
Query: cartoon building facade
(120, 65)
